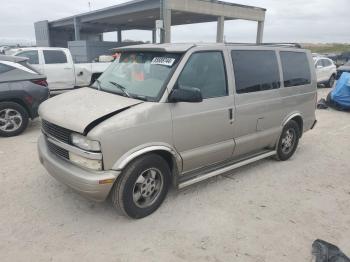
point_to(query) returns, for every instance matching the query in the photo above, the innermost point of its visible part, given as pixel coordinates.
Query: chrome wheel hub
(147, 187)
(288, 141)
(10, 120)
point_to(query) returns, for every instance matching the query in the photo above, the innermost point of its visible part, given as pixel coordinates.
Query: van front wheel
(289, 140)
(142, 187)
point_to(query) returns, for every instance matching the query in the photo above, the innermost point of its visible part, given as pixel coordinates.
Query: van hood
(84, 108)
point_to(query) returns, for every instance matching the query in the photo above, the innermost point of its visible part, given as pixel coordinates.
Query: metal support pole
(165, 15)
(76, 22)
(220, 29)
(154, 36)
(161, 17)
(260, 33)
(167, 26)
(119, 31)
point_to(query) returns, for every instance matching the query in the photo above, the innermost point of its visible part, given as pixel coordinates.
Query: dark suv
(22, 89)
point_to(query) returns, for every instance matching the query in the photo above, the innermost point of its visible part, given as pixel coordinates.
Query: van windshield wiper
(120, 87)
(143, 98)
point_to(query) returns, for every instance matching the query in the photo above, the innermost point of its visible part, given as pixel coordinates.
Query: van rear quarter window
(296, 69)
(255, 70)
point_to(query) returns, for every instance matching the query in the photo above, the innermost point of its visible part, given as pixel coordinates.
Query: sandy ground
(268, 211)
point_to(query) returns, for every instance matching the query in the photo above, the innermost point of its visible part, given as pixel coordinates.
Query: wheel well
(20, 102)
(299, 121)
(171, 161)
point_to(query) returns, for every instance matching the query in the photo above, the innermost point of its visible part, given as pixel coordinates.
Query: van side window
(296, 70)
(33, 56)
(54, 57)
(255, 70)
(205, 71)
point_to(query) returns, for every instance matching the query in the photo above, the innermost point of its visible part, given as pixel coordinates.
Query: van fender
(285, 121)
(289, 117)
(132, 154)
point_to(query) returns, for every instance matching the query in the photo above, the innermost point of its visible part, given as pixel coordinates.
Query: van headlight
(84, 143)
(85, 162)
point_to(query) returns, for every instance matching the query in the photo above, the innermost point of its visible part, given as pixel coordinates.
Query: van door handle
(259, 124)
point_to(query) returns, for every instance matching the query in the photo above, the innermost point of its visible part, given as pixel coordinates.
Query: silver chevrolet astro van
(177, 114)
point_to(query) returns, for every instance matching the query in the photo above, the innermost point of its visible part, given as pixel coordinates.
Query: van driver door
(203, 132)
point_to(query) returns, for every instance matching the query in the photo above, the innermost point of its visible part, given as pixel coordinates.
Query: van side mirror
(192, 95)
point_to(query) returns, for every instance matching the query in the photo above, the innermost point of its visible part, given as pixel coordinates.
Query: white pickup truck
(58, 66)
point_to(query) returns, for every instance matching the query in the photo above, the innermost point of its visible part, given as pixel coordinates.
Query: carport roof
(141, 14)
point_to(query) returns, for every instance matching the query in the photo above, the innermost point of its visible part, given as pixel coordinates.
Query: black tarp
(327, 252)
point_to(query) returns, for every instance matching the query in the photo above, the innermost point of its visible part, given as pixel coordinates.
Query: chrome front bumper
(94, 185)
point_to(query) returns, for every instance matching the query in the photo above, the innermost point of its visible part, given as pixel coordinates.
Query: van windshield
(140, 75)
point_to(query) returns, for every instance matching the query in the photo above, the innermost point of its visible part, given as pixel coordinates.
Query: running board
(225, 169)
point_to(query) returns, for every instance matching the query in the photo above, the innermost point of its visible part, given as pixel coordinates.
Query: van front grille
(57, 150)
(60, 133)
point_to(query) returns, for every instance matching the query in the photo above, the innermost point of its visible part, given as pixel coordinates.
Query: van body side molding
(225, 169)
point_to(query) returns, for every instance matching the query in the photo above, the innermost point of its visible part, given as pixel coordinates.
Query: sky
(303, 21)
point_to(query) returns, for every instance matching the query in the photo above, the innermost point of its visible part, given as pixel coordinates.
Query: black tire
(284, 151)
(21, 119)
(331, 81)
(126, 186)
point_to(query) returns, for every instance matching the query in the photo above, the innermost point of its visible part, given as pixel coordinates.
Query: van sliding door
(258, 100)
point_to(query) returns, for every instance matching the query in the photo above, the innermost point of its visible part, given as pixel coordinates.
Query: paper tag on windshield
(166, 61)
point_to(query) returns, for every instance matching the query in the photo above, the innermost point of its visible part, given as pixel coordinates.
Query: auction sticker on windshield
(166, 61)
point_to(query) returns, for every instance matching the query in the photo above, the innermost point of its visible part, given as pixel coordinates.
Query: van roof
(183, 47)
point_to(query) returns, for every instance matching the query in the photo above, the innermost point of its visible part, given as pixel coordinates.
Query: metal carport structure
(142, 15)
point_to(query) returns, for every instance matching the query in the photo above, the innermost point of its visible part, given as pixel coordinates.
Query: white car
(61, 71)
(326, 71)
(4, 49)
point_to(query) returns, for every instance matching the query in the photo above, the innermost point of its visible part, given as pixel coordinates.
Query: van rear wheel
(289, 140)
(142, 186)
